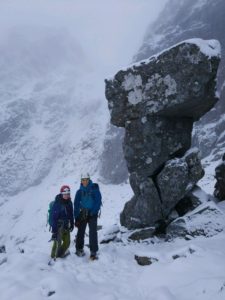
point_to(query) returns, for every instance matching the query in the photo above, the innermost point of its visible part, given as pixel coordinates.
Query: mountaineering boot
(93, 256)
(66, 254)
(80, 252)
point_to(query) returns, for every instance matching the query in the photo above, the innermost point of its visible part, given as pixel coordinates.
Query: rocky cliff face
(181, 20)
(184, 19)
(157, 101)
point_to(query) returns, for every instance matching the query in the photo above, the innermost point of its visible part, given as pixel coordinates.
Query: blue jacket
(88, 197)
(62, 210)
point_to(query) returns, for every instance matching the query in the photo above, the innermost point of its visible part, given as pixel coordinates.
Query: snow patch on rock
(133, 84)
(208, 47)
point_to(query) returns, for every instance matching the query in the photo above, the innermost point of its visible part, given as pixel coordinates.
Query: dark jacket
(62, 210)
(88, 197)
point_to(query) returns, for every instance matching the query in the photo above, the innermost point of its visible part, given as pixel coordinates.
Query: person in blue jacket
(62, 222)
(87, 204)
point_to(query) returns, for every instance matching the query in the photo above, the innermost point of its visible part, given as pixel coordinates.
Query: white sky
(110, 31)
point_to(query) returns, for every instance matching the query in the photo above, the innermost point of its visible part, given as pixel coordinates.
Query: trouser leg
(93, 234)
(58, 243)
(54, 248)
(65, 242)
(80, 235)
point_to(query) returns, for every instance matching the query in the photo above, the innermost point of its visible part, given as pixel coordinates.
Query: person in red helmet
(62, 222)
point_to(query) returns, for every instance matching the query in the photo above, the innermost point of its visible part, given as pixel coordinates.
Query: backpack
(49, 214)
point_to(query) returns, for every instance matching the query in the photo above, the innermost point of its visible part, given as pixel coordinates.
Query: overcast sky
(109, 31)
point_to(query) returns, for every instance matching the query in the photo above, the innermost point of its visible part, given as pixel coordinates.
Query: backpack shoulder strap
(95, 186)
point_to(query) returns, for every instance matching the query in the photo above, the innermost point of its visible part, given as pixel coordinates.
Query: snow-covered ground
(198, 272)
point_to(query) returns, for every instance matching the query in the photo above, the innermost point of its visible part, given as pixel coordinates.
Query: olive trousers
(61, 244)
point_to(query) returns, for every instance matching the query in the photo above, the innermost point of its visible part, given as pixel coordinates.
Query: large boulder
(178, 82)
(157, 102)
(206, 220)
(178, 177)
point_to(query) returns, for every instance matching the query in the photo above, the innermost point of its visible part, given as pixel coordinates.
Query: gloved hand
(71, 227)
(54, 236)
(84, 214)
(77, 223)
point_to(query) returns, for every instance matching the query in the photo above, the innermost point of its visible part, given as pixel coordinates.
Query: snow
(131, 81)
(143, 120)
(134, 97)
(208, 181)
(133, 84)
(171, 85)
(210, 48)
(192, 150)
(185, 270)
(148, 160)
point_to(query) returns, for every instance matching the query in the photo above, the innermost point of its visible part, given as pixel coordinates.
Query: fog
(54, 56)
(108, 32)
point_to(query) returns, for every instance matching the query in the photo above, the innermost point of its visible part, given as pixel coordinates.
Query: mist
(107, 33)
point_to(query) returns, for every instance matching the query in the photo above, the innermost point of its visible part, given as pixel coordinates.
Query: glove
(84, 214)
(77, 223)
(54, 236)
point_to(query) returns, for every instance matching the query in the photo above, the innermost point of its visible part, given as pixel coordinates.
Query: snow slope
(198, 272)
(52, 107)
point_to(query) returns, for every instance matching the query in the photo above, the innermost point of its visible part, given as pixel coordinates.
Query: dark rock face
(177, 178)
(180, 82)
(157, 102)
(189, 202)
(145, 208)
(181, 20)
(162, 138)
(219, 191)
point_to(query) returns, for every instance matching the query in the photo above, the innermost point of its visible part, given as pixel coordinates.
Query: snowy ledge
(210, 48)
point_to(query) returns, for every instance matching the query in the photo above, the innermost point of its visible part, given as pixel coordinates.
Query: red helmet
(65, 189)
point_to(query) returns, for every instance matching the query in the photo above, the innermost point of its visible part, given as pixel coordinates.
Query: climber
(87, 204)
(62, 222)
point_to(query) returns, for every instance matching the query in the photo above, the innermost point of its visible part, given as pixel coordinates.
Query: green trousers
(61, 244)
